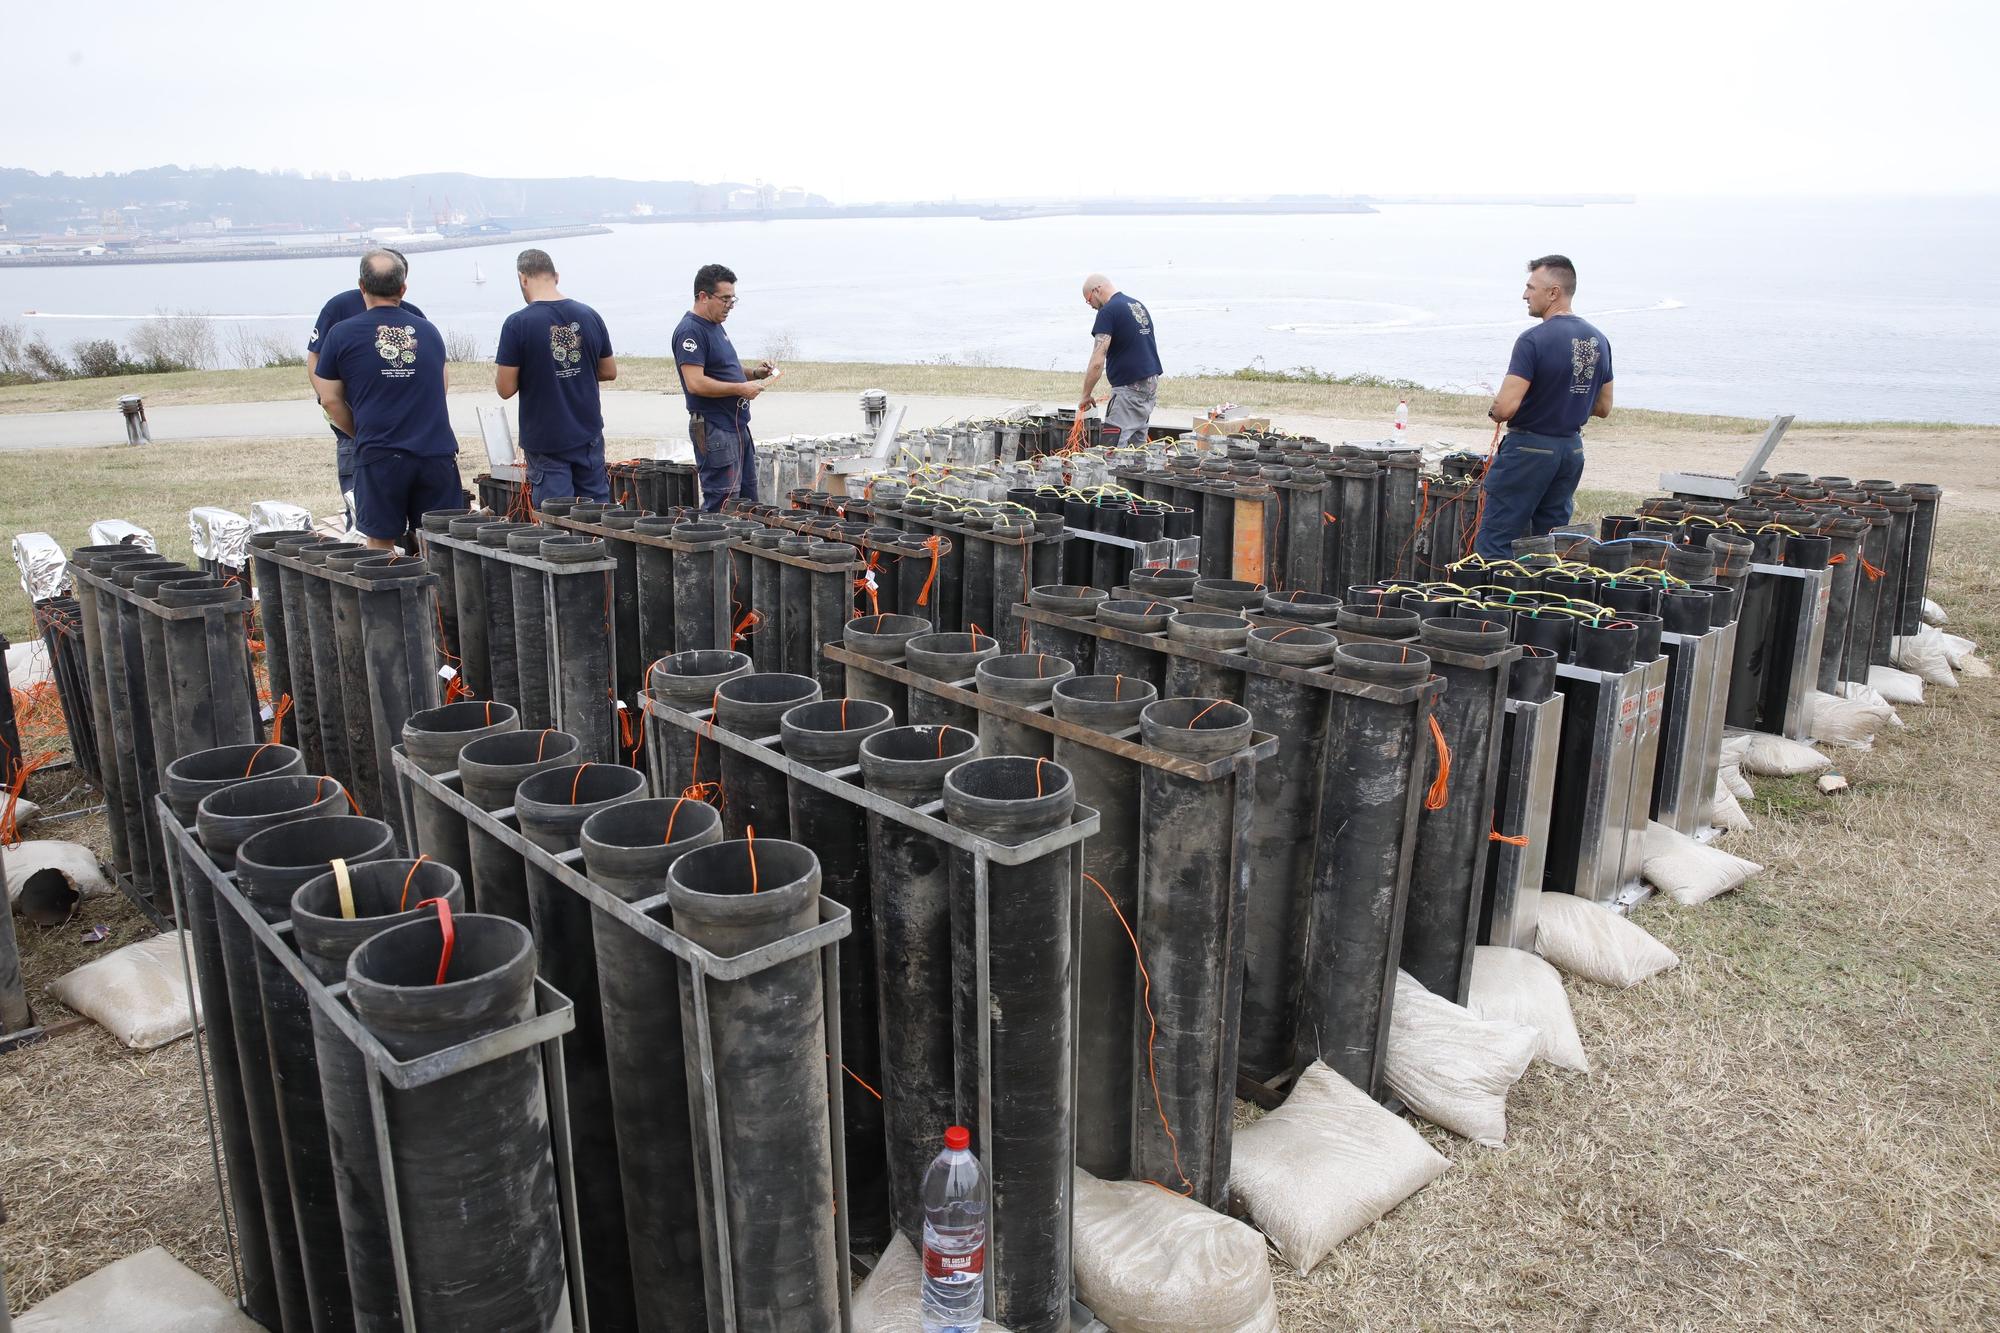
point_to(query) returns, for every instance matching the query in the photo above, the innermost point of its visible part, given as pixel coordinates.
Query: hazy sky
(906, 101)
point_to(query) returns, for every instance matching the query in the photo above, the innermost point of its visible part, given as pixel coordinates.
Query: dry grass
(1796, 1129)
(62, 491)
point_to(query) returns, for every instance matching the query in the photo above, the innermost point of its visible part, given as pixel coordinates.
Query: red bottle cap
(958, 1138)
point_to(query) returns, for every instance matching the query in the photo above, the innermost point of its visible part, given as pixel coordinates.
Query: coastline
(234, 254)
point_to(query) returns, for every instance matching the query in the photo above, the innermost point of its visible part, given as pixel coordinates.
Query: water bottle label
(947, 1266)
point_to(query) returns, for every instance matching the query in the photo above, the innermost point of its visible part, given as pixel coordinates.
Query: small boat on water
(478, 278)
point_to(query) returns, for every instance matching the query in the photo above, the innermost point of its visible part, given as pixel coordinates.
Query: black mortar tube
(1023, 679)
(1923, 536)
(323, 662)
(584, 647)
(1281, 844)
(432, 739)
(697, 572)
(385, 894)
(911, 905)
(533, 681)
(950, 657)
(503, 661)
(627, 850)
(552, 807)
(1069, 599)
(490, 769)
(1192, 888)
(189, 780)
(1108, 987)
(767, 1033)
(439, 557)
(224, 819)
(93, 609)
(883, 638)
(399, 627)
(828, 735)
(270, 867)
(272, 627)
(299, 666)
(1030, 1136)
(682, 765)
(364, 776)
(1141, 616)
(656, 591)
(1361, 862)
(468, 572)
(753, 793)
(1448, 879)
(473, 1147)
(1188, 678)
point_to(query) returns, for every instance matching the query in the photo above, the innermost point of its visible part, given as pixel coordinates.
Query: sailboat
(478, 278)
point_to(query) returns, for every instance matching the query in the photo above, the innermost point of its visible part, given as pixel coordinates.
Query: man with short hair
(718, 391)
(1558, 378)
(554, 352)
(344, 305)
(1125, 352)
(381, 378)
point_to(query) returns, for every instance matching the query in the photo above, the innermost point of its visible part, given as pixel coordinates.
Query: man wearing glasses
(718, 391)
(1124, 352)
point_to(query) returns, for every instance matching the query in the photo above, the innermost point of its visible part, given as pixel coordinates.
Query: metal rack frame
(926, 819)
(555, 1015)
(835, 924)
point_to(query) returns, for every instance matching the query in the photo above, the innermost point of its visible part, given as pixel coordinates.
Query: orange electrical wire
(1495, 835)
(1152, 1039)
(10, 828)
(933, 545)
(1440, 790)
(576, 782)
(1213, 705)
(750, 850)
(319, 789)
(403, 903)
(278, 711)
(672, 815)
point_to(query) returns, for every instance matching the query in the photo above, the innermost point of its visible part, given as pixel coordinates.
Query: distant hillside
(157, 196)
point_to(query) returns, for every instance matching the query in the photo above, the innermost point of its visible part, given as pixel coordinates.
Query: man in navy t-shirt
(343, 305)
(718, 391)
(554, 353)
(1558, 378)
(381, 378)
(1124, 352)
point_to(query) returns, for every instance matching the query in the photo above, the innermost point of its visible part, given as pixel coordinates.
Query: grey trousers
(1131, 408)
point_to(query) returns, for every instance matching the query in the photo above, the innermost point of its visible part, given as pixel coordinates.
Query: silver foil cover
(220, 535)
(117, 532)
(44, 567)
(277, 516)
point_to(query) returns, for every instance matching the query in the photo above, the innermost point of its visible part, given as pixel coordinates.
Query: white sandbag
(1862, 693)
(138, 993)
(20, 810)
(1768, 756)
(1596, 943)
(1734, 747)
(1845, 722)
(1897, 687)
(1452, 1067)
(892, 1299)
(147, 1292)
(1327, 1163)
(1956, 648)
(1150, 1261)
(1517, 986)
(1923, 655)
(1971, 667)
(1726, 811)
(76, 864)
(28, 664)
(1933, 614)
(1730, 776)
(1691, 873)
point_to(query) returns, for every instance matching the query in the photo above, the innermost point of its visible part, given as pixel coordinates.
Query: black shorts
(393, 490)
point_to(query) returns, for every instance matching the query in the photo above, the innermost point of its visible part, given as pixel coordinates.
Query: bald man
(1125, 353)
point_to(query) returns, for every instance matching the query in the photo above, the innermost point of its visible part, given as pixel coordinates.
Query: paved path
(628, 415)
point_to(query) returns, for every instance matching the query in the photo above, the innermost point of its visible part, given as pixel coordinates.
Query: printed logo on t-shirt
(1145, 321)
(1582, 364)
(689, 345)
(397, 343)
(564, 343)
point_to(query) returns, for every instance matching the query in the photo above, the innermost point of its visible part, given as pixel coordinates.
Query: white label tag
(265, 712)
(446, 673)
(621, 705)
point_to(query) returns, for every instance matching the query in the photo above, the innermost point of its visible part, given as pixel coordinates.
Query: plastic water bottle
(954, 1238)
(1402, 419)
